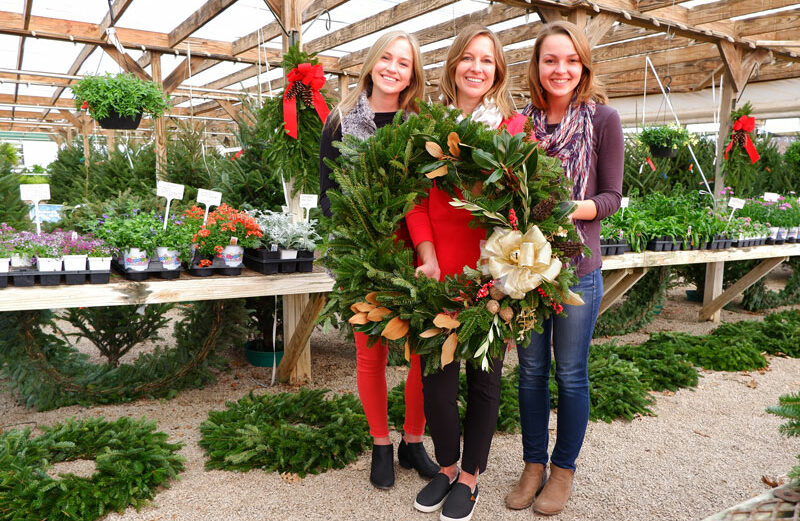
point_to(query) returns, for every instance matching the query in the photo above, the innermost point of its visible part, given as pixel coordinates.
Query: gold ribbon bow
(520, 262)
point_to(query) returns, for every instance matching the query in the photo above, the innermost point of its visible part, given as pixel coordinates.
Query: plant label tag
(234, 241)
(771, 196)
(34, 193)
(736, 203)
(209, 197)
(74, 236)
(307, 202)
(624, 202)
(169, 190)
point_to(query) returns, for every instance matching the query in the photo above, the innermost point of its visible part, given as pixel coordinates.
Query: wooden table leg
(713, 288)
(712, 308)
(620, 286)
(299, 315)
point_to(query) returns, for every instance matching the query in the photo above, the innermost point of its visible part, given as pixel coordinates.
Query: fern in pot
(664, 140)
(118, 102)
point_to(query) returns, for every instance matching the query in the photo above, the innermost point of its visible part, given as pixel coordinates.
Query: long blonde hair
(499, 89)
(408, 96)
(588, 87)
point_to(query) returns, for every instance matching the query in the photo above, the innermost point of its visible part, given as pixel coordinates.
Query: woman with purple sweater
(571, 122)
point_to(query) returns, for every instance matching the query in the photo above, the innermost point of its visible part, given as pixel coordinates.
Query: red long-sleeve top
(433, 219)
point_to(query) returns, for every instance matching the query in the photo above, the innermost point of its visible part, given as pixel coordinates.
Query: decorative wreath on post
(743, 127)
(132, 460)
(524, 273)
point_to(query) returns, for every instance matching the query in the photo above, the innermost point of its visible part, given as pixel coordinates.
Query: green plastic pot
(261, 358)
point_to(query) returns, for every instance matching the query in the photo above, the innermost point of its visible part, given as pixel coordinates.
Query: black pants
(440, 390)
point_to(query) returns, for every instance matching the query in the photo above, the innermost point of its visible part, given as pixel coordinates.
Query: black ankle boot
(413, 455)
(381, 474)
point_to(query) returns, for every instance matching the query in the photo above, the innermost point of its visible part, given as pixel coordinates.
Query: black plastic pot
(116, 122)
(658, 151)
(305, 261)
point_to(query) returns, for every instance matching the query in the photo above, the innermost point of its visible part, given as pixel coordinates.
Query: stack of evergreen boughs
(132, 461)
(789, 407)
(298, 433)
(48, 373)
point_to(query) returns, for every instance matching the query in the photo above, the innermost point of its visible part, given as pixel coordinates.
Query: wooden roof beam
(727, 9)
(181, 72)
(739, 64)
(26, 15)
(210, 10)
(127, 63)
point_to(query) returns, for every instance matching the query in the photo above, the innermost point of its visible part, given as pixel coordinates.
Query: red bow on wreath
(746, 124)
(312, 76)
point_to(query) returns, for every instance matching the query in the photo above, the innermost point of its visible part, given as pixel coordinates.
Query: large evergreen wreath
(132, 460)
(522, 203)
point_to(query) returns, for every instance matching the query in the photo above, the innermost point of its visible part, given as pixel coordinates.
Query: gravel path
(704, 450)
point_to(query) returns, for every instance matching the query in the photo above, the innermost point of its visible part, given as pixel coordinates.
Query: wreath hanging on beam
(513, 190)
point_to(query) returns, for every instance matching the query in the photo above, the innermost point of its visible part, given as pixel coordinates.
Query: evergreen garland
(47, 373)
(132, 461)
(298, 433)
(789, 407)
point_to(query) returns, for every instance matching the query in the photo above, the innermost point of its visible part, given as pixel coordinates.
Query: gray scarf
(360, 121)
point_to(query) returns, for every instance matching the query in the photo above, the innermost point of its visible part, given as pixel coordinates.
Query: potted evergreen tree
(118, 102)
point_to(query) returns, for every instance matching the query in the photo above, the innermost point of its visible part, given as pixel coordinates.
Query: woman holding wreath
(474, 81)
(571, 122)
(391, 80)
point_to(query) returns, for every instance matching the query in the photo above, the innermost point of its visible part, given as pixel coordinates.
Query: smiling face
(560, 67)
(393, 71)
(475, 73)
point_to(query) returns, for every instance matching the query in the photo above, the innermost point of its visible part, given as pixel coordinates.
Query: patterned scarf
(360, 121)
(571, 142)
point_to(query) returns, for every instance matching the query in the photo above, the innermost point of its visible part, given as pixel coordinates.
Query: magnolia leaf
(497, 174)
(372, 298)
(364, 307)
(396, 329)
(359, 319)
(452, 144)
(439, 172)
(354, 307)
(434, 149)
(378, 314)
(428, 333)
(407, 353)
(483, 159)
(449, 349)
(445, 321)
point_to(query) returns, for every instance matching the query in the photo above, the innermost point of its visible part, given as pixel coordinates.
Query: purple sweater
(604, 180)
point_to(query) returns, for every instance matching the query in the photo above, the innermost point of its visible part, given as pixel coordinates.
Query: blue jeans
(571, 337)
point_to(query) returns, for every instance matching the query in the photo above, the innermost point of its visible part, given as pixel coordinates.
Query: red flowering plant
(224, 226)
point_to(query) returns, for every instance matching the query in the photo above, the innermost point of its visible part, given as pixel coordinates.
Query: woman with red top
(474, 81)
(391, 80)
(571, 122)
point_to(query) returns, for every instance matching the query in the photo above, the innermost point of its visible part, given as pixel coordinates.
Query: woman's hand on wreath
(429, 264)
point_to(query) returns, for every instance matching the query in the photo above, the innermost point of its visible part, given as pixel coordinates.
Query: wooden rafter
(26, 16)
(198, 19)
(727, 9)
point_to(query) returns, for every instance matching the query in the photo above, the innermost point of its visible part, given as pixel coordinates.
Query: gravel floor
(704, 450)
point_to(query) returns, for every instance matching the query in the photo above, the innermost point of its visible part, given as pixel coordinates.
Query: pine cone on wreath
(307, 95)
(569, 248)
(739, 137)
(543, 209)
(295, 89)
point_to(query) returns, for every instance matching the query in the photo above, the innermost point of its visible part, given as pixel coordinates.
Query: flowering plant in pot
(174, 244)
(664, 140)
(119, 101)
(5, 255)
(99, 255)
(134, 235)
(226, 233)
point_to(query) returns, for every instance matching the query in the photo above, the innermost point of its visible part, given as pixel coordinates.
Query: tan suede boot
(555, 493)
(530, 483)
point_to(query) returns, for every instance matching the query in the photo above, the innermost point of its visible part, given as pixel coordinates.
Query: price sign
(771, 196)
(170, 191)
(208, 198)
(35, 193)
(308, 201)
(736, 203)
(625, 202)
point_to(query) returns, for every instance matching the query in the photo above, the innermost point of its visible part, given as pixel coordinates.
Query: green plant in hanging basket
(124, 95)
(665, 137)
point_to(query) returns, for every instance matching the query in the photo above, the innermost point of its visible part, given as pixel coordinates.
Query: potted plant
(5, 255)
(134, 235)
(174, 244)
(118, 102)
(664, 140)
(225, 235)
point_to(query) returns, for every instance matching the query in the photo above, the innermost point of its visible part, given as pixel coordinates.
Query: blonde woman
(474, 81)
(391, 80)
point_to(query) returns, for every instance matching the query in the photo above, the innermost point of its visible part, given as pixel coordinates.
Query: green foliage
(299, 432)
(789, 407)
(660, 368)
(668, 136)
(713, 352)
(132, 460)
(12, 210)
(8, 156)
(124, 94)
(744, 110)
(47, 373)
(669, 173)
(615, 389)
(771, 173)
(792, 157)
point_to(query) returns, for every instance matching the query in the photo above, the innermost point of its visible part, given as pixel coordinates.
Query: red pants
(371, 378)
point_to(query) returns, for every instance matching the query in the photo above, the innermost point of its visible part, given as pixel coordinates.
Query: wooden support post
(341, 85)
(159, 123)
(229, 109)
(110, 140)
(299, 315)
(578, 17)
(549, 14)
(712, 307)
(713, 288)
(621, 287)
(724, 134)
(613, 278)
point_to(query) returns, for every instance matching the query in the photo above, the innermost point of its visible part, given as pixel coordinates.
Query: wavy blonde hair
(499, 89)
(589, 87)
(408, 96)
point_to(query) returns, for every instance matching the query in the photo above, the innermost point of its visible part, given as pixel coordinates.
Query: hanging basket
(659, 151)
(116, 122)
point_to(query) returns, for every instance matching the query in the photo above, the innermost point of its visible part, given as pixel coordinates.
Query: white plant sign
(208, 198)
(35, 193)
(170, 191)
(307, 202)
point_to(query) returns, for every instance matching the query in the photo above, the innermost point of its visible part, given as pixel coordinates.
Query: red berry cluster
(512, 218)
(557, 308)
(484, 291)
